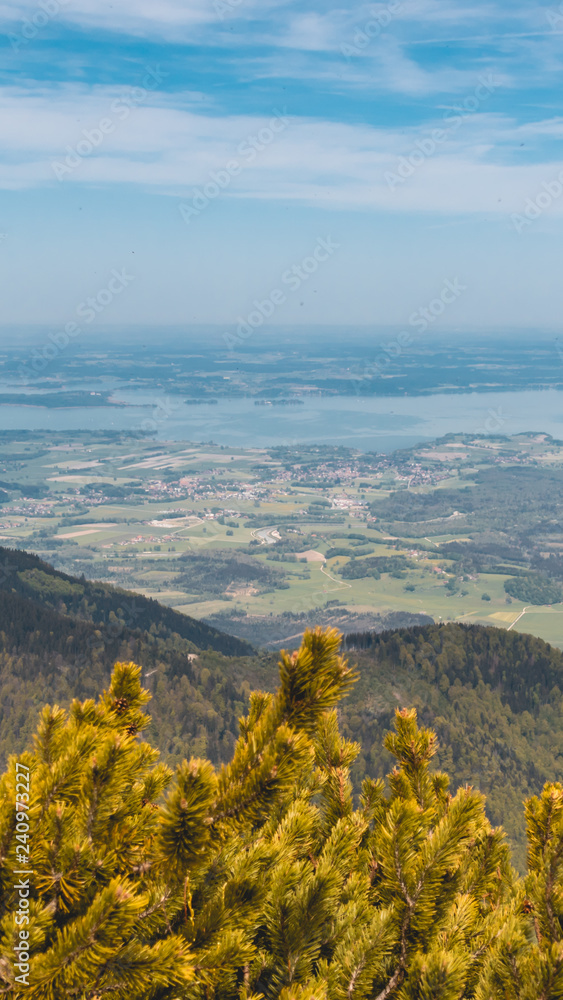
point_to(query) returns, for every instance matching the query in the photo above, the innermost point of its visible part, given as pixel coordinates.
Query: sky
(192, 161)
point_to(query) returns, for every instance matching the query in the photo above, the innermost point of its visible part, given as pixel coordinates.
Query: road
(521, 615)
(343, 585)
(268, 536)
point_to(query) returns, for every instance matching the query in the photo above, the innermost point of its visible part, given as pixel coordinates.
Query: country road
(334, 580)
(521, 615)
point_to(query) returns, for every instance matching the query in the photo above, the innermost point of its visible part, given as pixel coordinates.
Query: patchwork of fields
(214, 531)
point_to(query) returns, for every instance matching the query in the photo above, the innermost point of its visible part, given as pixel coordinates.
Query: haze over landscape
(281, 479)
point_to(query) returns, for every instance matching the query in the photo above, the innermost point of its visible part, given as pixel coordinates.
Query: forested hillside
(25, 574)
(265, 880)
(60, 636)
(198, 696)
(494, 697)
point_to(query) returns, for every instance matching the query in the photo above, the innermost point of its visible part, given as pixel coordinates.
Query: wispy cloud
(171, 20)
(170, 145)
(132, 16)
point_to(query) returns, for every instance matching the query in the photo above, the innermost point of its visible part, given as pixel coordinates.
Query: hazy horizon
(128, 335)
(203, 150)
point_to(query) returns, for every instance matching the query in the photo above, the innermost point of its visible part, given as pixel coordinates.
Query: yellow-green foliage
(263, 880)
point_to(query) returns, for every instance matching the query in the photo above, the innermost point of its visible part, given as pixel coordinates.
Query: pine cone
(121, 705)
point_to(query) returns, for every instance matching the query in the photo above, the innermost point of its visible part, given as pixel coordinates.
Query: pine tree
(526, 962)
(264, 880)
(95, 909)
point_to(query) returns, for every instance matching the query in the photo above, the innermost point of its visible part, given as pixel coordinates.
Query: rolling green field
(208, 529)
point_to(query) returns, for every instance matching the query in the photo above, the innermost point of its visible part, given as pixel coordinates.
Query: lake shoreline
(382, 424)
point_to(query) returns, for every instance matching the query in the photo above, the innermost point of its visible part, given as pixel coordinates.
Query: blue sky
(206, 145)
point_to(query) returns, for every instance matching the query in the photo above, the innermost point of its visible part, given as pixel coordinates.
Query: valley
(261, 541)
(494, 697)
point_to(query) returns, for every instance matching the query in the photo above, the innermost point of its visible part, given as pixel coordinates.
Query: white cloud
(447, 12)
(174, 21)
(290, 25)
(163, 18)
(174, 149)
(309, 31)
(326, 29)
(387, 71)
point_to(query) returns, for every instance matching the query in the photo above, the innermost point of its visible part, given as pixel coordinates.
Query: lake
(368, 423)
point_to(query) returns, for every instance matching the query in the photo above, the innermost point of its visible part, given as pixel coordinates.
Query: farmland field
(266, 533)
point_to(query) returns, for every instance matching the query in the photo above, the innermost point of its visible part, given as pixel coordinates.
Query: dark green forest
(494, 697)
(266, 878)
(27, 576)
(504, 496)
(394, 565)
(534, 589)
(210, 574)
(511, 515)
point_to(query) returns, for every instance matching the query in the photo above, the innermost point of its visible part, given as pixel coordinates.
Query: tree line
(264, 879)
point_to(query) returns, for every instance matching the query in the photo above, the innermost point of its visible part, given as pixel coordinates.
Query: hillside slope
(60, 636)
(26, 575)
(494, 697)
